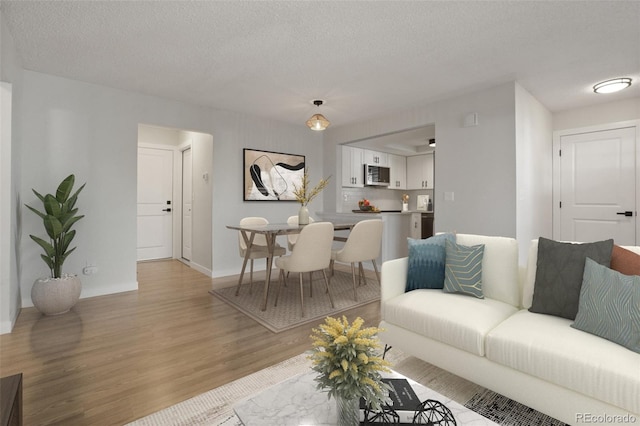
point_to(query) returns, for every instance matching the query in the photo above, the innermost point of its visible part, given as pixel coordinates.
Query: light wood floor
(116, 358)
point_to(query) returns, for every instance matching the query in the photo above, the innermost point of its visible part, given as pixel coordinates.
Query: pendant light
(611, 86)
(318, 122)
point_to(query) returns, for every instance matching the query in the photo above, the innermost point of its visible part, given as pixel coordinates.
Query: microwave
(376, 175)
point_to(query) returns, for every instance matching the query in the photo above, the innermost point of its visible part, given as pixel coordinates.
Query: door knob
(627, 213)
(166, 210)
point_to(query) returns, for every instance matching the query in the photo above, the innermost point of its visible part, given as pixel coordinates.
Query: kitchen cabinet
(397, 172)
(352, 167)
(420, 171)
(376, 158)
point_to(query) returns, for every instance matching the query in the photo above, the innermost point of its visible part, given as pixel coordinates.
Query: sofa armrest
(393, 279)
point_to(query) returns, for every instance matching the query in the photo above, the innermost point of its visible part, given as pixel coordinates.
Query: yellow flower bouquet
(345, 356)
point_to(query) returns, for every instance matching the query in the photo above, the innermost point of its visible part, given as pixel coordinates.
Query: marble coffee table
(297, 402)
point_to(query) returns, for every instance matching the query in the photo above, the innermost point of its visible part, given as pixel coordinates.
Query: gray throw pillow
(610, 305)
(463, 269)
(559, 272)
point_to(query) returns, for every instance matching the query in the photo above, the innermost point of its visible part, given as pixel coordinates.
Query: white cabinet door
(352, 170)
(429, 165)
(420, 171)
(398, 171)
(376, 158)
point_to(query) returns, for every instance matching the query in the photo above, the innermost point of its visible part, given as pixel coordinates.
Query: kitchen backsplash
(384, 199)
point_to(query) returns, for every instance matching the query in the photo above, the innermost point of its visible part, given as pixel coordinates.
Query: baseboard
(200, 268)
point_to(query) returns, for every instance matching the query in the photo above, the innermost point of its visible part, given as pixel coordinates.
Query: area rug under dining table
(288, 313)
(215, 407)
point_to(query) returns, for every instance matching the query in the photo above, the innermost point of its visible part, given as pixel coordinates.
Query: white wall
(477, 164)
(534, 143)
(10, 151)
(603, 113)
(74, 127)
(202, 237)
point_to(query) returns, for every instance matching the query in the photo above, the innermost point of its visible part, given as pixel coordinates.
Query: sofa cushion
(463, 269)
(625, 261)
(547, 347)
(499, 266)
(426, 262)
(610, 305)
(455, 319)
(559, 271)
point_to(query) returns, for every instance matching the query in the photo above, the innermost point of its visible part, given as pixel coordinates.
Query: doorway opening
(175, 197)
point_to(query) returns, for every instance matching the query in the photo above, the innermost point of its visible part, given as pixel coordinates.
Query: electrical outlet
(90, 270)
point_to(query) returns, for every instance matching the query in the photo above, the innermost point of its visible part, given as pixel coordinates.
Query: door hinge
(560, 204)
(560, 153)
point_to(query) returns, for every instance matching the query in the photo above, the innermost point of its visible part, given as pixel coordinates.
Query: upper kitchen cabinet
(376, 158)
(352, 170)
(420, 171)
(398, 171)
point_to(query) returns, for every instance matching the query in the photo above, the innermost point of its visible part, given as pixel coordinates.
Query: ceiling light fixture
(318, 122)
(613, 85)
(432, 143)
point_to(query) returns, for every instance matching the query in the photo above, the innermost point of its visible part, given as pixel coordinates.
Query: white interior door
(598, 187)
(155, 193)
(187, 199)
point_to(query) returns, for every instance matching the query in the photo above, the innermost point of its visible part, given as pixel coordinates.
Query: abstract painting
(271, 176)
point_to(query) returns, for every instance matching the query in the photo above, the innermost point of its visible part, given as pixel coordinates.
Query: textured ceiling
(365, 59)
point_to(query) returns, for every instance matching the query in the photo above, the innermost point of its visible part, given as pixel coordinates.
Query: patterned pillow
(463, 269)
(559, 272)
(610, 305)
(426, 262)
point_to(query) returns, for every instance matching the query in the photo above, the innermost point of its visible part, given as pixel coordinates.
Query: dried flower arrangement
(302, 193)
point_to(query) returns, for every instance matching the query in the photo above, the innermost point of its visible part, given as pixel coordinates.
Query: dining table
(271, 231)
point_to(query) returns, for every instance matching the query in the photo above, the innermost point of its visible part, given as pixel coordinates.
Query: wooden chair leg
(326, 282)
(375, 268)
(362, 277)
(244, 267)
(251, 277)
(280, 279)
(353, 277)
(301, 294)
(311, 284)
(331, 264)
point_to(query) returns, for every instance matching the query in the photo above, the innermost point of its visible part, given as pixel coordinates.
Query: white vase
(303, 216)
(54, 296)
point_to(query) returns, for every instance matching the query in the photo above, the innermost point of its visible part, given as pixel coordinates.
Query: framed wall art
(271, 176)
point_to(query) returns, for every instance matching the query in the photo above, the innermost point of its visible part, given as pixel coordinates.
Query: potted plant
(304, 196)
(346, 358)
(59, 292)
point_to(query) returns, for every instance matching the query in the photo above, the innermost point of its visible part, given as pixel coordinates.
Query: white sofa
(535, 359)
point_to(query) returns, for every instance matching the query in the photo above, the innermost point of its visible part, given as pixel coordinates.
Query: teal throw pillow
(610, 305)
(463, 269)
(426, 262)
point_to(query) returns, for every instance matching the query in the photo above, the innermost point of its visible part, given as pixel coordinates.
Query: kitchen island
(395, 230)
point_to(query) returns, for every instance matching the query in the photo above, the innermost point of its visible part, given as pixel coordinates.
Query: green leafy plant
(346, 358)
(59, 216)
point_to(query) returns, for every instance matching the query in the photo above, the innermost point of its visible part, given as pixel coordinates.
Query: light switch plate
(448, 196)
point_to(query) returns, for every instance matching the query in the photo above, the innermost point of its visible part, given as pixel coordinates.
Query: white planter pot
(54, 296)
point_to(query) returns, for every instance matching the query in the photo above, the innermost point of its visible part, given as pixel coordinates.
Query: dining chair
(258, 249)
(363, 243)
(292, 238)
(311, 252)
